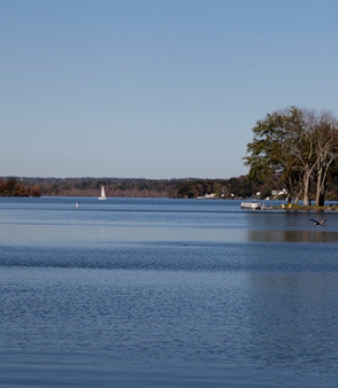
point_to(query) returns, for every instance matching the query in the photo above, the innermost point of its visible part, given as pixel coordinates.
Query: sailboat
(103, 194)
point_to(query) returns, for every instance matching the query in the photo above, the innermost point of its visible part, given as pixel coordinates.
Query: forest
(233, 188)
(13, 187)
(130, 187)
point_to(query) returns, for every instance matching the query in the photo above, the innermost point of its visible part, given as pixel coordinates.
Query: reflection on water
(124, 220)
(291, 226)
(304, 236)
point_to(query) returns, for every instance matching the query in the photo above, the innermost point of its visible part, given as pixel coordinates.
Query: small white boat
(102, 197)
(251, 205)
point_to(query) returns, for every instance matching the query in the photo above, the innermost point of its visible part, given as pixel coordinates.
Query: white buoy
(76, 205)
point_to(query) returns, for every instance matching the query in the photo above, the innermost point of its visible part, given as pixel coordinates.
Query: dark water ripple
(188, 256)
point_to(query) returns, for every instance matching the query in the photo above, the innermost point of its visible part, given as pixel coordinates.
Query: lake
(134, 292)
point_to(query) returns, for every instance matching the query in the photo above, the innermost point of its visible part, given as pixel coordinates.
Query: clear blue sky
(154, 88)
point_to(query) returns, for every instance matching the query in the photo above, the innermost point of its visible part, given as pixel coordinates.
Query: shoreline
(305, 208)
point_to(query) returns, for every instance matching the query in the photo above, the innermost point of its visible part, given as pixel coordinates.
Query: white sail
(103, 194)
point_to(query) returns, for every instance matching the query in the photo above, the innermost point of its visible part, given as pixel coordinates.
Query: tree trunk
(321, 183)
(288, 197)
(319, 196)
(297, 196)
(322, 199)
(306, 201)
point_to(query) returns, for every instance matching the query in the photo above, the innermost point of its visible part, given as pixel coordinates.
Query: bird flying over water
(318, 223)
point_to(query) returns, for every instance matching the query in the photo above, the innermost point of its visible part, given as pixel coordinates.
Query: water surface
(165, 293)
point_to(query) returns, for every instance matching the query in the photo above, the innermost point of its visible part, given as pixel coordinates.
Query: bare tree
(326, 144)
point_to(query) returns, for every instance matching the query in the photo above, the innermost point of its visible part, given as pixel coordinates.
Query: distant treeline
(133, 187)
(13, 187)
(240, 187)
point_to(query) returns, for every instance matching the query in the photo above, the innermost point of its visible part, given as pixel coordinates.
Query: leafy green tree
(269, 153)
(298, 146)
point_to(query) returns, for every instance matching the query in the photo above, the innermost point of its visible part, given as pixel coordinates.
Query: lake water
(165, 293)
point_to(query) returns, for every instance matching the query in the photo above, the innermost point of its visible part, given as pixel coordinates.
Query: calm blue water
(165, 293)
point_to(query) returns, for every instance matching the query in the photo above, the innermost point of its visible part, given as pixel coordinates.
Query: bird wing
(315, 221)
